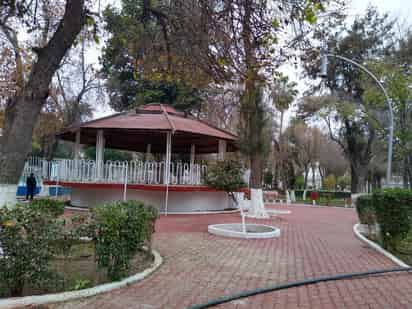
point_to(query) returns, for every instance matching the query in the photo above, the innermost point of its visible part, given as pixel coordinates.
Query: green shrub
(268, 178)
(343, 182)
(122, 229)
(81, 284)
(327, 194)
(225, 176)
(48, 206)
(393, 211)
(330, 182)
(366, 210)
(326, 199)
(28, 238)
(300, 182)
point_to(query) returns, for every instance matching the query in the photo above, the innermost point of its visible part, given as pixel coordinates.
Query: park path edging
(217, 212)
(320, 206)
(72, 295)
(378, 248)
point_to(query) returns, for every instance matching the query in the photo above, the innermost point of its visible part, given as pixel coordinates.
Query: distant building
(314, 180)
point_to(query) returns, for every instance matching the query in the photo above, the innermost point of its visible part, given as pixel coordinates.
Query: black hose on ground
(226, 299)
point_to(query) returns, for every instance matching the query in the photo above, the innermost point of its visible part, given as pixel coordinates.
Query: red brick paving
(314, 242)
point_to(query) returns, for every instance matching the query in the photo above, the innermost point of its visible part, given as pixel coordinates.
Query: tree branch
(50, 56)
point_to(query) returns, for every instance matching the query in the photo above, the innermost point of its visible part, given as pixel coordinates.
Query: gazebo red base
(146, 187)
(182, 198)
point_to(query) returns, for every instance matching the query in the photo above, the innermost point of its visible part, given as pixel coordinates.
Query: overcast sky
(402, 8)
(396, 8)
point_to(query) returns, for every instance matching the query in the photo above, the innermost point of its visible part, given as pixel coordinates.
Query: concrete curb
(72, 295)
(319, 206)
(229, 230)
(378, 248)
(219, 212)
(276, 212)
(72, 208)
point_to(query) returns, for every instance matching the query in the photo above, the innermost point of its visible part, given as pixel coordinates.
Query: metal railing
(131, 172)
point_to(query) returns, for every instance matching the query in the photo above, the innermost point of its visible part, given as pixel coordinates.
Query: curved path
(315, 241)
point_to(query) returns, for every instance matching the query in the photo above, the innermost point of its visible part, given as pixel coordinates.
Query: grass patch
(404, 249)
(78, 270)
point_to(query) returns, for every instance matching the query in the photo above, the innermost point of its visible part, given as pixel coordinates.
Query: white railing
(32, 165)
(137, 172)
(396, 182)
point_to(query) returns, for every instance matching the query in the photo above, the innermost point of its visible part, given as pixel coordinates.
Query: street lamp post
(323, 73)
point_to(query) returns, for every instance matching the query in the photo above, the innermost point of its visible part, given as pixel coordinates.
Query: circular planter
(278, 212)
(253, 231)
(72, 295)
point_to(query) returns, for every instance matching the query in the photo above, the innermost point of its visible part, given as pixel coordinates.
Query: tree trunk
(23, 110)
(407, 172)
(405, 179)
(256, 162)
(282, 115)
(21, 116)
(17, 289)
(276, 175)
(305, 184)
(358, 177)
(322, 175)
(251, 80)
(256, 167)
(313, 177)
(377, 183)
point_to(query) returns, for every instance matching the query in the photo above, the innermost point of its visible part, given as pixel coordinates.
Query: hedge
(326, 194)
(365, 209)
(122, 229)
(48, 206)
(28, 236)
(393, 209)
(33, 234)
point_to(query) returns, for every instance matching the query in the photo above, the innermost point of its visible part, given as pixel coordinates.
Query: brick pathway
(314, 242)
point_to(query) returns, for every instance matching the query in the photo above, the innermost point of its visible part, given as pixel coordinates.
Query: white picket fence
(133, 172)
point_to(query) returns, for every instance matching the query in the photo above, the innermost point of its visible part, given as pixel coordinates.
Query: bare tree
(307, 143)
(331, 159)
(23, 109)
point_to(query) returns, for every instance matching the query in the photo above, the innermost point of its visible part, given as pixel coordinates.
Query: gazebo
(155, 130)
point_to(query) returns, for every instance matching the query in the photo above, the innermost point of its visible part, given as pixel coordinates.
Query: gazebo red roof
(135, 129)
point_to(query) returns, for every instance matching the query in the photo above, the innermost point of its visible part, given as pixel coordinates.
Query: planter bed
(36, 300)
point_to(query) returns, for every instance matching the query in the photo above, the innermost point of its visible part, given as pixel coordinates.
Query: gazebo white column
(222, 150)
(148, 151)
(167, 166)
(192, 154)
(76, 155)
(77, 146)
(99, 154)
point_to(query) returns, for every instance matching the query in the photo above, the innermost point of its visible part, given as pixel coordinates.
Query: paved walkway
(314, 242)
